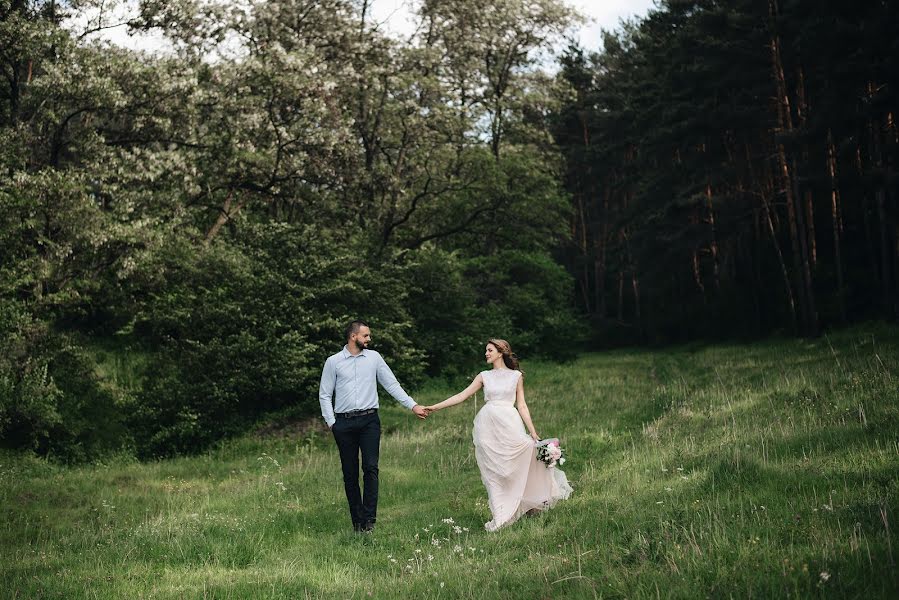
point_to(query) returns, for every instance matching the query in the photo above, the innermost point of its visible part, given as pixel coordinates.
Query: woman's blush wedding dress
(516, 481)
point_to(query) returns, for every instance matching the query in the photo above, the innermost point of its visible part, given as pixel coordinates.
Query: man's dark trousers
(355, 434)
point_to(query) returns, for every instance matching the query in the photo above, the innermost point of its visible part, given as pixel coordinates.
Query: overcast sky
(394, 14)
(603, 14)
(606, 14)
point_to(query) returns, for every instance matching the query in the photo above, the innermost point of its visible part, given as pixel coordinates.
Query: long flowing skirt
(516, 481)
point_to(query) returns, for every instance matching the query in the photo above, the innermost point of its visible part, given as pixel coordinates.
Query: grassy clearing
(765, 470)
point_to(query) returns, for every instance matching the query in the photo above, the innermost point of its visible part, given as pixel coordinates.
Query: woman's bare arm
(523, 409)
(475, 385)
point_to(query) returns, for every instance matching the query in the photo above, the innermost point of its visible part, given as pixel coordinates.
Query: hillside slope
(765, 470)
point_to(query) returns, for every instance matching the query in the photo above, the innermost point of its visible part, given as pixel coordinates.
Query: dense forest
(183, 233)
(733, 169)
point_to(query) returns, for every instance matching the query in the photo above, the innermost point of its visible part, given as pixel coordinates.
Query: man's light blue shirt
(352, 381)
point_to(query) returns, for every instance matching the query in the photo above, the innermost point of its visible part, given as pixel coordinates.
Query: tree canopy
(183, 233)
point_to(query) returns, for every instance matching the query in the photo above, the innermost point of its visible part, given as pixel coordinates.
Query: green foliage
(459, 303)
(189, 231)
(51, 398)
(440, 303)
(526, 297)
(244, 328)
(29, 399)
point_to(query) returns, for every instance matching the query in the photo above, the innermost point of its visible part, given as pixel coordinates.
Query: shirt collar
(347, 354)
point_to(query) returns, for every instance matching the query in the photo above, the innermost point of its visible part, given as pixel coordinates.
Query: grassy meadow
(766, 470)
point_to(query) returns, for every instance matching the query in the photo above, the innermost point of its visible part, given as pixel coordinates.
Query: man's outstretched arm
(388, 381)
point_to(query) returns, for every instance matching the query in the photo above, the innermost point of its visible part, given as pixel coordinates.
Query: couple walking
(517, 483)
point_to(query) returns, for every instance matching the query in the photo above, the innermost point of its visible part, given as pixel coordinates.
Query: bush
(218, 336)
(449, 328)
(52, 400)
(457, 304)
(244, 329)
(527, 296)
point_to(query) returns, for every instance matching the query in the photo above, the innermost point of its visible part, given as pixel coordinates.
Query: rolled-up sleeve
(388, 381)
(326, 391)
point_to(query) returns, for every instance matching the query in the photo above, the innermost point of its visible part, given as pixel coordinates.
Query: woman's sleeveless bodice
(500, 385)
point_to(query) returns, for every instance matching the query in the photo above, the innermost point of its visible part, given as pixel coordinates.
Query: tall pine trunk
(875, 155)
(787, 168)
(621, 296)
(836, 224)
(716, 266)
(599, 265)
(766, 210)
(766, 190)
(866, 218)
(802, 110)
(580, 234)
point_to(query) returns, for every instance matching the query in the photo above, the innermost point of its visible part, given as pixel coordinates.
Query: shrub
(51, 399)
(245, 328)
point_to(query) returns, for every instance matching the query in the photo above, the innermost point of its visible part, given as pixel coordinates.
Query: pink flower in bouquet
(550, 452)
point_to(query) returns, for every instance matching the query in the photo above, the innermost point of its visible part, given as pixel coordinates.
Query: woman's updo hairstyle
(509, 357)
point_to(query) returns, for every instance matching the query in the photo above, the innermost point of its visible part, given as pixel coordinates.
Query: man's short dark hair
(353, 328)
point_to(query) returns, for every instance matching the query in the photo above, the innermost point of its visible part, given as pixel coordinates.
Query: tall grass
(765, 470)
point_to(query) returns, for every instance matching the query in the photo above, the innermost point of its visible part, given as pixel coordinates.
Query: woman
(517, 483)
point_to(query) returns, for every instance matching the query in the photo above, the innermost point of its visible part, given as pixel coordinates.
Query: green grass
(748, 471)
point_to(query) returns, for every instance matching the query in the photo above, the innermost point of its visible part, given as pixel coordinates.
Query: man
(350, 377)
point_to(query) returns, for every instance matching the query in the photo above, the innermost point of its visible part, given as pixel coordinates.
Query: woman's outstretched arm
(523, 409)
(475, 385)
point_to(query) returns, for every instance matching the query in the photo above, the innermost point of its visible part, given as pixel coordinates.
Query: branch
(224, 216)
(453, 230)
(101, 28)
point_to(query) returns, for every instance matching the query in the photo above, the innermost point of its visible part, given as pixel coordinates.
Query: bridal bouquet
(549, 452)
